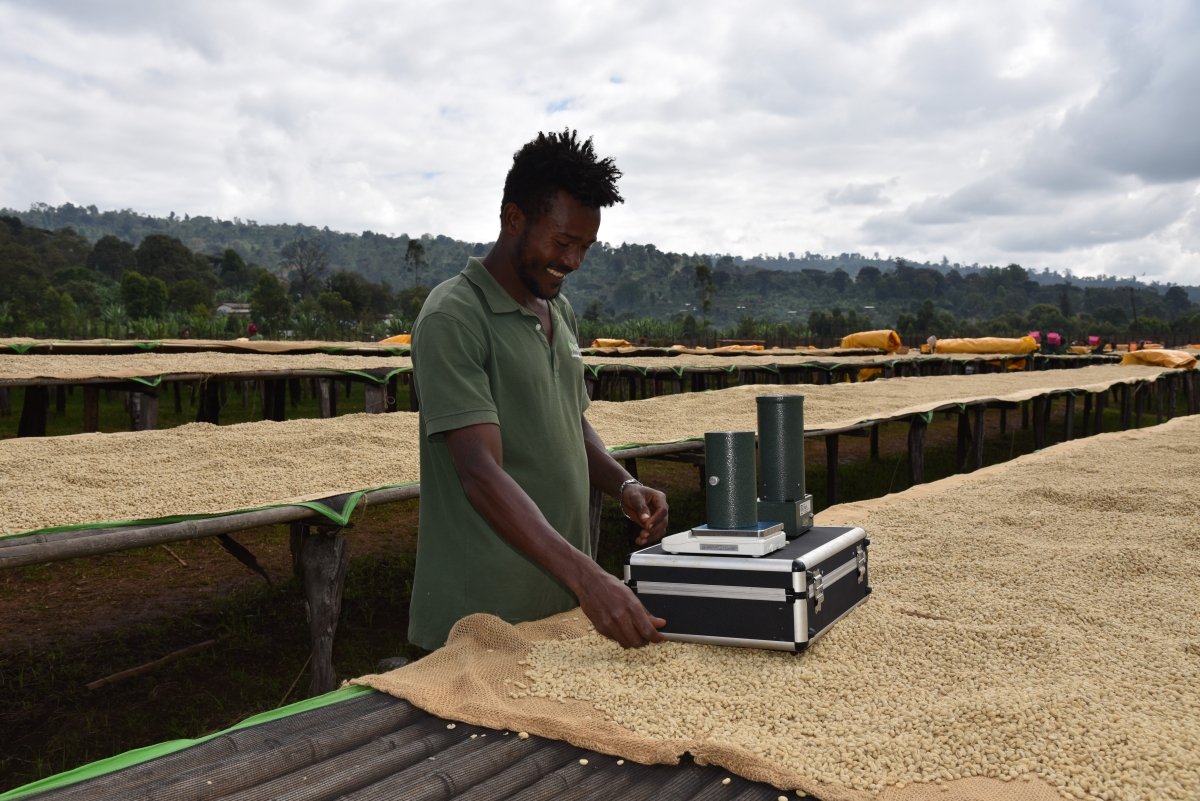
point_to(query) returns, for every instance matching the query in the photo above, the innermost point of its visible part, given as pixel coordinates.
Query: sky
(1061, 135)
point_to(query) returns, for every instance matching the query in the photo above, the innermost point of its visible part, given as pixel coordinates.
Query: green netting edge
(365, 375)
(394, 351)
(341, 518)
(20, 347)
(140, 755)
(147, 345)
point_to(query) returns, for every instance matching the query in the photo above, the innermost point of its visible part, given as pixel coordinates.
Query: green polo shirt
(479, 357)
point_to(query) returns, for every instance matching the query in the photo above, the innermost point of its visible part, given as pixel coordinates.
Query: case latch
(860, 556)
(817, 591)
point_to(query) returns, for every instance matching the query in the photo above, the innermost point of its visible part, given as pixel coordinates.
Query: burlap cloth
(1034, 632)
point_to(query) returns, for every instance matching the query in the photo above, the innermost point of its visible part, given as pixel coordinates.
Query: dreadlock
(560, 161)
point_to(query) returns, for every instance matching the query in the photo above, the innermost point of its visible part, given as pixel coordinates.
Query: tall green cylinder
(730, 497)
(781, 447)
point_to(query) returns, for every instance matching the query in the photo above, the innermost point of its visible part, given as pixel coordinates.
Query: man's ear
(512, 219)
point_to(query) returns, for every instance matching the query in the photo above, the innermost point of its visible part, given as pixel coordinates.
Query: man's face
(552, 245)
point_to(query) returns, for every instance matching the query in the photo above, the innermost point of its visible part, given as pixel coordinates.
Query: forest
(77, 272)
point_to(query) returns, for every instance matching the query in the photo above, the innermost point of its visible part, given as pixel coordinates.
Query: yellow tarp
(398, 339)
(611, 343)
(884, 340)
(1161, 358)
(987, 345)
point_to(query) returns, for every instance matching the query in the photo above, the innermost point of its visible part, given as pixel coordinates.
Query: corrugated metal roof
(374, 747)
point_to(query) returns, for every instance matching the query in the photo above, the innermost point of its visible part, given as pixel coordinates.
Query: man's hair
(560, 161)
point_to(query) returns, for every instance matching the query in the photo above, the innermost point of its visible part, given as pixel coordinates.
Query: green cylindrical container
(781, 447)
(730, 497)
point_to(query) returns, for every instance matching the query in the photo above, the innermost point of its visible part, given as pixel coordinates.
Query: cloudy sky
(1059, 134)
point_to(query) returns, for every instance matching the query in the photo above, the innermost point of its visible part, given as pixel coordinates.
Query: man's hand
(646, 507)
(617, 613)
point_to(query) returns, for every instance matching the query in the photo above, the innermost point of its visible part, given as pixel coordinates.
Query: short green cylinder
(781, 447)
(730, 498)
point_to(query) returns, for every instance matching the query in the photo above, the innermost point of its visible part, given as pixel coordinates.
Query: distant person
(507, 457)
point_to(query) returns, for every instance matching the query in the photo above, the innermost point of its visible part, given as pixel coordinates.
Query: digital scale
(757, 540)
(757, 574)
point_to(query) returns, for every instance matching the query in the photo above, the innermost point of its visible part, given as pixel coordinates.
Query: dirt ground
(54, 605)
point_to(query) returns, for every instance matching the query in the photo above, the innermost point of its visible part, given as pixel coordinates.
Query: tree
(305, 262)
(143, 297)
(269, 304)
(234, 273)
(868, 277)
(414, 260)
(190, 293)
(165, 257)
(111, 257)
(703, 282)
(1176, 301)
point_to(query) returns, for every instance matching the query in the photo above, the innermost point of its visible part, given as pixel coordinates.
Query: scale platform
(757, 540)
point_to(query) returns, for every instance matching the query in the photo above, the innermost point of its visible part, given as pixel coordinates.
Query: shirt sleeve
(450, 364)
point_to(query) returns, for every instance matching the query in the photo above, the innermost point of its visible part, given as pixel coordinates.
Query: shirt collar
(498, 300)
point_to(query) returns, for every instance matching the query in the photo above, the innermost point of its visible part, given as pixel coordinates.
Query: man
(507, 457)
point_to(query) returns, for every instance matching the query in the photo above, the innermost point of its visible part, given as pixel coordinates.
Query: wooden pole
(916, 449)
(149, 667)
(33, 412)
(320, 558)
(91, 408)
(831, 469)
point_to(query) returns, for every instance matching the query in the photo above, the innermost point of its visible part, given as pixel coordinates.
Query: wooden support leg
(393, 393)
(961, 441)
(274, 399)
(831, 469)
(295, 391)
(1069, 418)
(143, 411)
(1139, 403)
(91, 408)
(209, 408)
(1039, 422)
(1087, 411)
(33, 412)
(1003, 419)
(916, 449)
(327, 397)
(320, 557)
(1126, 407)
(1098, 411)
(5, 403)
(875, 442)
(1172, 395)
(374, 399)
(977, 436)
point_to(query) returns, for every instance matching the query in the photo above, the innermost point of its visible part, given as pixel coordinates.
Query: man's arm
(644, 505)
(611, 606)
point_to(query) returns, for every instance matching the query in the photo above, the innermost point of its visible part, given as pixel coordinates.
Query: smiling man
(507, 457)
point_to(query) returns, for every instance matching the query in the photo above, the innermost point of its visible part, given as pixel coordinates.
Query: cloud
(859, 194)
(981, 132)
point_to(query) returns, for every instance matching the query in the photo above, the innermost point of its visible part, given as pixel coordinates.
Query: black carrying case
(782, 601)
